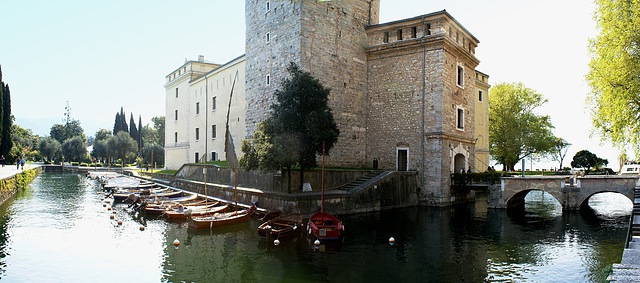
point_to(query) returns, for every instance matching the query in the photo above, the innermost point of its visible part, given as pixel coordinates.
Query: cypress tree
(6, 145)
(116, 124)
(133, 130)
(1, 104)
(140, 132)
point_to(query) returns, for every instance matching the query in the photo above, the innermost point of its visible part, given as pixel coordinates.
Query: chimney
(201, 58)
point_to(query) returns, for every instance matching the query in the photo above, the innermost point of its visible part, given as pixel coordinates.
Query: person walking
(18, 163)
(22, 161)
(2, 160)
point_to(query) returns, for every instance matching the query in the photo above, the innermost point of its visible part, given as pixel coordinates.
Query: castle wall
(326, 39)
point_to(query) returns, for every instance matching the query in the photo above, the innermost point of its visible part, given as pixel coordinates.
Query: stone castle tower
(403, 93)
(327, 39)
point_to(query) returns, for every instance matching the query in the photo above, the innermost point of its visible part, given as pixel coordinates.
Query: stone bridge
(572, 192)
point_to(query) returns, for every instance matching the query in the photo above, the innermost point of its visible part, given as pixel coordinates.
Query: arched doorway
(459, 163)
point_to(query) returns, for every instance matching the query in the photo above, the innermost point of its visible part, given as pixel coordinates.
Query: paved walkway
(10, 170)
(628, 270)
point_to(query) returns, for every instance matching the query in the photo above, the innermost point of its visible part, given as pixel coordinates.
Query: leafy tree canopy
(50, 148)
(102, 134)
(63, 132)
(515, 130)
(75, 149)
(586, 159)
(122, 146)
(613, 73)
(300, 123)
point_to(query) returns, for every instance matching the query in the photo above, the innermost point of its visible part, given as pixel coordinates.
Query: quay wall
(10, 185)
(394, 190)
(275, 181)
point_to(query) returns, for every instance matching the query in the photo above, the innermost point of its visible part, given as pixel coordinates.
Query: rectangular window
(460, 78)
(268, 79)
(213, 131)
(428, 31)
(268, 37)
(175, 136)
(176, 112)
(197, 157)
(213, 102)
(197, 133)
(385, 39)
(460, 119)
(268, 6)
(214, 156)
(480, 95)
(197, 108)
(176, 92)
(414, 32)
(399, 34)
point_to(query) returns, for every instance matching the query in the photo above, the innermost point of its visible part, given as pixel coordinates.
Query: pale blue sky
(100, 55)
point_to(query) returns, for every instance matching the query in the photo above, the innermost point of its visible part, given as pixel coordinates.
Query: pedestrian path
(10, 170)
(628, 270)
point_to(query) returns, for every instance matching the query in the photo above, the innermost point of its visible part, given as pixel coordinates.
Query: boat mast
(322, 209)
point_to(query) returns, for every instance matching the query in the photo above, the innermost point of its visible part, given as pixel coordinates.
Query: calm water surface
(58, 230)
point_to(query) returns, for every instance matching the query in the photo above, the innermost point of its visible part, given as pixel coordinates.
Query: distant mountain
(42, 126)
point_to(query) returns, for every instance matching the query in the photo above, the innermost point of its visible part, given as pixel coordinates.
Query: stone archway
(459, 162)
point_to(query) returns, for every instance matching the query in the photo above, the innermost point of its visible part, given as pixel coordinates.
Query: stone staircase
(628, 270)
(362, 181)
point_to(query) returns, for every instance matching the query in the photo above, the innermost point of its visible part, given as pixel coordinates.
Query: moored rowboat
(222, 219)
(281, 227)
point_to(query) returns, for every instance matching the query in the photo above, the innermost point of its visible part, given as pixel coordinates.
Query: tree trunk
(289, 178)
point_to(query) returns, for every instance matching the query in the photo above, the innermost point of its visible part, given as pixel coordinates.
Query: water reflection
(462, 243)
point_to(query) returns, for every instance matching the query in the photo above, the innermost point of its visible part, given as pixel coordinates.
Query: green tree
(158, 125)
(515, 130)
(613, 72)
(6, 143)
(75, 149)
(50, 149)
(559, 151)
(133, 130)
(139, 136)
(302, 119)
(121, 123)
(100, 149)
(102, 135)
(25, 143)
(586, 159)
(69, 130)
(158, 153)
(122, 146)
(270, 150)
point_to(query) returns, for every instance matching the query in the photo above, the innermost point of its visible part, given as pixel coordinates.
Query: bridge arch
(584, 202)
(517, 200)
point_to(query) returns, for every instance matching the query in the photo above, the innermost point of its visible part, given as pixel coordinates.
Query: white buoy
(276, 242)
(317, 242)
(176, 242)
(392, 240)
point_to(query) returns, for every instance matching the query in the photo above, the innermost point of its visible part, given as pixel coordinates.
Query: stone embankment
(12, 179)
(628, 270)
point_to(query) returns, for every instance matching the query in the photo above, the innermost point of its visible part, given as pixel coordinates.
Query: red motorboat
(323, 225)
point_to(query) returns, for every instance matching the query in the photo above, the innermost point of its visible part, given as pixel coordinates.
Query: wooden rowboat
(222, 219)
(281, 227)
(207, 210)
(325, 226)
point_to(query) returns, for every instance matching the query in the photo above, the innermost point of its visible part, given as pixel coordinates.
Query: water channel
(58, 230)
